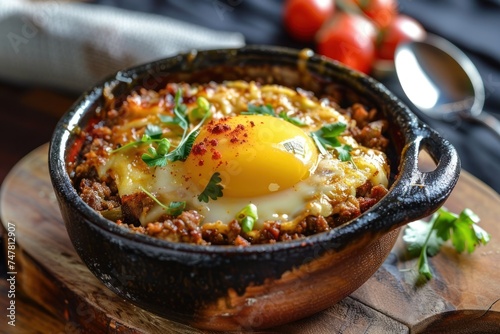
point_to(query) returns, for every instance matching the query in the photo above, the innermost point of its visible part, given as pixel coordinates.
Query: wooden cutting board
(463, 297)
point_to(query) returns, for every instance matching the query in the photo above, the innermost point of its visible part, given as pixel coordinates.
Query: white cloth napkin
(71, 46)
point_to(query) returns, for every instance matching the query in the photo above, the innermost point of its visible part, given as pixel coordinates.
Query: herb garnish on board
(425, 239)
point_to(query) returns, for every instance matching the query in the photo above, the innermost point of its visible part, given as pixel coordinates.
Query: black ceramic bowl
(229, 287)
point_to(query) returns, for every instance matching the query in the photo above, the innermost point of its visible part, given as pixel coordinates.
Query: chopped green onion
(247, 217)
(202, 109)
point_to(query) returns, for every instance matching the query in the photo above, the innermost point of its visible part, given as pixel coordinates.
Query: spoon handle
(488, 120)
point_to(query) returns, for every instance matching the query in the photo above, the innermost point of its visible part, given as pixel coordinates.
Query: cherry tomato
(402, 29)
(303, 18)
(382, 12)
(349, 39)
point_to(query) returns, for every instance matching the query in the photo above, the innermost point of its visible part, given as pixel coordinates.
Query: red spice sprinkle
(201, 162)
(252, 124)
(216, 155)
(237, 134)
(214, 142)
(219, 128)
(199, 149)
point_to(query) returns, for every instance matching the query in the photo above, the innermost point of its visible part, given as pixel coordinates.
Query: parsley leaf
(213, 189)
(426, 238)
(294, 120)
(145, 139)
(420, 234)
(268, 110)
(184, 148)
(180, 118)
(182, 151)
(327, 137)
(172, 209)
(344, 152)
(158, 154)
(153, 131)
(259, 110)
(175, 208)
(328, 134)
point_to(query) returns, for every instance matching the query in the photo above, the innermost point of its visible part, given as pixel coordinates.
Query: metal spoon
(440, 80)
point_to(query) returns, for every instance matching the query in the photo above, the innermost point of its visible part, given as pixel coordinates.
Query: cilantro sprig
(294, 120)
(180, 113)
(213, 189)
(259, 110)
(327, 137)
(172, 209)
(425, 239)
(268, 110)
(158, 154)
(152, 134)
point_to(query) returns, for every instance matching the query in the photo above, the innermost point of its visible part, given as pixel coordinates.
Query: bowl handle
(417, 193)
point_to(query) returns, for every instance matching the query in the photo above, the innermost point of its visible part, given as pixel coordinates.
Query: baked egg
(232, 150)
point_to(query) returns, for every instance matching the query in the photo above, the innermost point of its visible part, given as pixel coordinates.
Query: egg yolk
(255, 155)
